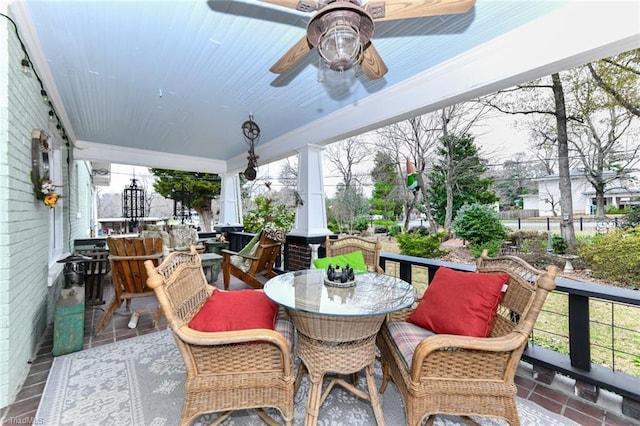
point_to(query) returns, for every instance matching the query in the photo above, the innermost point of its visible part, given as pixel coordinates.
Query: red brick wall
(299, 256)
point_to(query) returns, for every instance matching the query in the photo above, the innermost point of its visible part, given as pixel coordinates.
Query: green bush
(384, 222)
(478, 224)
(617, 210)
(632, 219)
(268, 211)
(614, 256)
(416, 244)
(529, 242)
(361, 223)
(493, 247)
(559, 244)
(395, 230)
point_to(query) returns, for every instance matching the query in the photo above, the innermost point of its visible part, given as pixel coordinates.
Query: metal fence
(587, 224)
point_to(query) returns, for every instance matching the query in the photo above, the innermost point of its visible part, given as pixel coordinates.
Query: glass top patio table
(373, 294)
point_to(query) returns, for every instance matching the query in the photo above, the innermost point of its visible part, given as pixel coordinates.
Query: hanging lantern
(133, 200)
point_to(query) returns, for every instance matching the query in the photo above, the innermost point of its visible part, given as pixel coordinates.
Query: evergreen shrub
(478, 224)
(614, 256)
(416, 244)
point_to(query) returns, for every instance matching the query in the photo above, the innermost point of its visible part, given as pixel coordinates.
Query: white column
(311, 215)
(230, 200)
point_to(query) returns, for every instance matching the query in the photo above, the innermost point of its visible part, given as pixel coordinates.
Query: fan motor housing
(344, 13)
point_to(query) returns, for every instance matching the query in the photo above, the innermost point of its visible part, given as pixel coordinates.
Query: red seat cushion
(235, 310)
(462, 303)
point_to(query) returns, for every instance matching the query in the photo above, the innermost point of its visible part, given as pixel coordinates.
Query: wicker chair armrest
(202, 338)
(428, 346)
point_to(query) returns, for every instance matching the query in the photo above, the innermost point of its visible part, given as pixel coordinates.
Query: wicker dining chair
(228, 370)
(467, 376)
(370, 249)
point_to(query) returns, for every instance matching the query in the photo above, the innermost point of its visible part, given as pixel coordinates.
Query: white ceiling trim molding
(548, 45)
(92, 151)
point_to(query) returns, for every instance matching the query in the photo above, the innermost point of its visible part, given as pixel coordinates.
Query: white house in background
(619, 193)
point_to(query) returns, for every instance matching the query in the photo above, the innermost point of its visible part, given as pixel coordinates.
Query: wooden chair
(467, 376)
(128, 274)
(254, 263)
(229, 370)
(370, 250)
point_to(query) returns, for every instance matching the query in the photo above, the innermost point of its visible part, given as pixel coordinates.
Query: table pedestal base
(328, 352)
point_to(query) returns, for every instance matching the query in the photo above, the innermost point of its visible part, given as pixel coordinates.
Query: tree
(530, 100)
(622, 91)
(349, 201)
(411, 140)
(195, 189)
(459, 167)
(605, 140)
(513, 181)
(385, 198)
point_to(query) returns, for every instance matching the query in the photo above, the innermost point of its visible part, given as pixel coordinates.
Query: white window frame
(56, 224)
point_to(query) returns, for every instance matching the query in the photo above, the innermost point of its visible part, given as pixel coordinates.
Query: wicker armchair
(370, 250)
(127, 257)
(226, 371)
(465, 376)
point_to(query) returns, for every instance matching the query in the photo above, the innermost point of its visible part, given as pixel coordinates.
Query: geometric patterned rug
(140, 382)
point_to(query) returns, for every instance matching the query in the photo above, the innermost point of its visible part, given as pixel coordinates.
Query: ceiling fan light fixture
(340, 31)
(340, 47)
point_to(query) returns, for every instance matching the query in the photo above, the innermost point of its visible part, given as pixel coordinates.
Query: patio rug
(139, 381)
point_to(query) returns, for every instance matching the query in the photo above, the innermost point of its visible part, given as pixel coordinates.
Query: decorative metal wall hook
(251, 132)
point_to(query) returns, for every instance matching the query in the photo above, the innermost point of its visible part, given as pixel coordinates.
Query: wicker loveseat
(461, 375)
(226, 370)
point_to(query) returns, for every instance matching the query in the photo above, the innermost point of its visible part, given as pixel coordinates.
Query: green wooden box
(68, 326)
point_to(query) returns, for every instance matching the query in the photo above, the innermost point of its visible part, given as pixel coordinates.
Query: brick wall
(298, 252)
(26, 301)
(298, 257)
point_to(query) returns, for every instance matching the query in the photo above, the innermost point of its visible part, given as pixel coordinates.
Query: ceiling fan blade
(402, 9)
(293, 55)
(372, 63)
(301, 5)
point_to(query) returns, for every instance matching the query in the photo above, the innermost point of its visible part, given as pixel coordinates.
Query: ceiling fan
(341, 30)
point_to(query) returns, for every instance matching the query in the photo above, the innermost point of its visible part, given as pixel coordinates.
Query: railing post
(519, 224)
(405, 271)
(581, 225)
(548, 224)
(579, 341)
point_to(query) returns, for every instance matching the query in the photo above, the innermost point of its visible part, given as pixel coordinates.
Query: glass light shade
(340, 47)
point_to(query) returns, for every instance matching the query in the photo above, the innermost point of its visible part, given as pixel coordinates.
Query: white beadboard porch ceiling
(169, 83)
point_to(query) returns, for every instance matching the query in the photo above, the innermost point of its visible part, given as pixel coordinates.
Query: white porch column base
(230, 201)
(314, 253)
(311, 216)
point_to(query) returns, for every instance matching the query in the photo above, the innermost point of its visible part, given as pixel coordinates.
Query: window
(56, 228)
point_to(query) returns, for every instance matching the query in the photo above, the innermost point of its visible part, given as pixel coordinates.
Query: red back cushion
(235, 310)
(462, 303)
